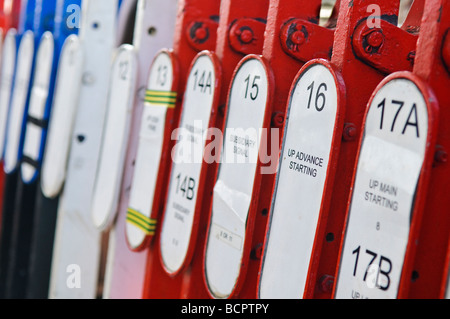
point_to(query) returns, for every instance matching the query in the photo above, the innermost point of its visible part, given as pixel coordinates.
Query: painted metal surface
(98, 39)
(279, 55)
(153, 30)
(195, 31)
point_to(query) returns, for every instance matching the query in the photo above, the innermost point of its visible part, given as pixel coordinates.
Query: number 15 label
(390, 163)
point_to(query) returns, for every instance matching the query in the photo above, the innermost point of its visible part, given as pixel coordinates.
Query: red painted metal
(305, 40)
(246, 36)
(197, 34)
(353, 68)
(357, 54)
(426, 265)
(15, 13)
(9, 14)
(286, 16)
(444, 293)
(374, 45)
(424, 180)
(283, 60)
(237, 35)
(425, 269)
(195, 31)
(130, 268)
(3, 16)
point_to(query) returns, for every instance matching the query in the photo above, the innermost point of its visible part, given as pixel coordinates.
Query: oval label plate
(392, 155)
(233, 190)
(158, 98)
(180, 212)
(115, 137)
(313, 129)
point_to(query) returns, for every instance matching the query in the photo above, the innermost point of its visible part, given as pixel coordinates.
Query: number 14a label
(390, 164)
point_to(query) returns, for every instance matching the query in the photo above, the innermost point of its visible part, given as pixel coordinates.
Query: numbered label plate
(7, 77)
(160, 97)
(33, 145)
(65, 101)
(19, 96)
(116, 132)
(180, 210)
(234, 188)
(312, 128)
(391, 159)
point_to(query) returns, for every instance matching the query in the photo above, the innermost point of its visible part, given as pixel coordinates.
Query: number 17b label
(390, 168)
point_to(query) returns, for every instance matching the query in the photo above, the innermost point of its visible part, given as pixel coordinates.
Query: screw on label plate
(257, 252)
(411, 57)
(440, 156)
(278, 119)
(350, 132)
(326, 283)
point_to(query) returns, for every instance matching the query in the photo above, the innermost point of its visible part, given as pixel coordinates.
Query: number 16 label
(390, 164)
(312, 128)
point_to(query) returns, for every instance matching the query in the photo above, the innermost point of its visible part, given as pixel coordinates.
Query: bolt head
(201, 33)
(298, 37)
(375, 39)
(246, 36)
(441, 156)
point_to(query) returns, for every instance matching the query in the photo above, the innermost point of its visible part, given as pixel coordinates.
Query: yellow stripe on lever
(141, 221)
(161, 98)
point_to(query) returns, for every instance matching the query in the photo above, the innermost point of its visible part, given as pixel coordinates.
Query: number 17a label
(390, 163)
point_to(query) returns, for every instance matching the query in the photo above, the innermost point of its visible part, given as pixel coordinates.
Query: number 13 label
(159, 98)
(392, 155)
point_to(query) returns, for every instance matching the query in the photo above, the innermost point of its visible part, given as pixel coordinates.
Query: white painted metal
(76, 255)
(38, 99)
(7, 76)
(62, 118)
(154, 29)
(19, 98)
(116, 133)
